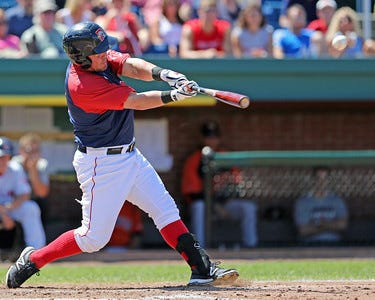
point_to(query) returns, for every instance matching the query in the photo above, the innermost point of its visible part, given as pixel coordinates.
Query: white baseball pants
(106, 182)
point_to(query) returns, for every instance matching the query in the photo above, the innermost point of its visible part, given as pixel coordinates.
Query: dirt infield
(359, 290)
(242, 289)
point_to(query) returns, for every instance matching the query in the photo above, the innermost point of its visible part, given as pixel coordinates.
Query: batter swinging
(109, 167)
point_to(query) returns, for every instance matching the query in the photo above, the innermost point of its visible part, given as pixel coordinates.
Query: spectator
(122, 23)
(207, 36)
(192, 190)
(295, 40)
(324, 10)
(320, 216)
(44, 38)
(75, 11)
(150, 10)
(308, 5)
(345, 21)
(252, 37)
(165, 32)
(10, 45)
(20, 17)
(228, 10)
(128, 229)
(187, 10)
(15, 197)
(369, 48)
(36, 169)
(99, 7)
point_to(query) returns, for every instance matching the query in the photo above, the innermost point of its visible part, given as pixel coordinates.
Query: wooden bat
(227, 97)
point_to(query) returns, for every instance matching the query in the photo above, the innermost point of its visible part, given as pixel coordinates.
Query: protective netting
(283, 185)
(291, 182)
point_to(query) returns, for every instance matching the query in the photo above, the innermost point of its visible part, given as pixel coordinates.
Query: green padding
(294, 158)
(261, 79)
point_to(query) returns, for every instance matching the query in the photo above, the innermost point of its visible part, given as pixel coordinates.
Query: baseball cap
(324, 3)
(6, 146)
(44, 5)
(210, 129)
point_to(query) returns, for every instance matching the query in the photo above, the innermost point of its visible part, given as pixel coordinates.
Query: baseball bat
(227, 97)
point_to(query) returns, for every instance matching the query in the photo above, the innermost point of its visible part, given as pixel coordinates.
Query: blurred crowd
(188, 28)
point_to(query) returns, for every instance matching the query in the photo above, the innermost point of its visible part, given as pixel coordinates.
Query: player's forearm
(152, 99)
(18, 200)
(40, 189)
(334, 225)
(143, 101)
(208, 53)
(308, 229)
(138, 69)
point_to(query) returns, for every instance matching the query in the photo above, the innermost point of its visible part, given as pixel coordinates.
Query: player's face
(98, 62)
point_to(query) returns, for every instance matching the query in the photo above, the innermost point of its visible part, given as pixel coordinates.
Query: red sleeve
(117, 60)
(95, 94)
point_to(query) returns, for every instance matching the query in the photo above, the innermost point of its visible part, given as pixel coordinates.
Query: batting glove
(186, 90)
(174, 79)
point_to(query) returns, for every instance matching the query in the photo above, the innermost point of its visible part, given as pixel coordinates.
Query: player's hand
(174, 79)
(186, 90)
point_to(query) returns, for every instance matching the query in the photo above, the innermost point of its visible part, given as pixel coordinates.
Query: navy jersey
(96, 104)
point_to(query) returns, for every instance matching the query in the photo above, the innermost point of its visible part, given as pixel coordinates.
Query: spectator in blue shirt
(20, 17)
(321, 216)
(294, 41)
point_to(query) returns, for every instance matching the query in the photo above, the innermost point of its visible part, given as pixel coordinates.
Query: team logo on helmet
(100, 34)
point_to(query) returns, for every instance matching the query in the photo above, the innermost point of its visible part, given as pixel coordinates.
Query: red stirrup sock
(63, 246)
(172, 231)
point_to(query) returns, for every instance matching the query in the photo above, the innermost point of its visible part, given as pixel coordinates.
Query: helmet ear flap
(87, 63)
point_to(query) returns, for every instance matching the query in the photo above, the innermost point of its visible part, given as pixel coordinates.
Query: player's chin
(100, 67)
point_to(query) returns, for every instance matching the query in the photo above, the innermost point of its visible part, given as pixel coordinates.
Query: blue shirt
(18, 21)
(296, 46)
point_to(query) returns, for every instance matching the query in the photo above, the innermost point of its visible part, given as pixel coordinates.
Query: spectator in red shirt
(324, 10)
(206, 36)
(122, 23)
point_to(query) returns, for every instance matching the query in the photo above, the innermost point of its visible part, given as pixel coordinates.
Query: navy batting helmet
(84, 39)
(6, 146)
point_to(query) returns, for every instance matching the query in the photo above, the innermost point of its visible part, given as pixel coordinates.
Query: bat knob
(244, 102)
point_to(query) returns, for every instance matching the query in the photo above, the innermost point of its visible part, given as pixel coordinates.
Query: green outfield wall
(41, 82)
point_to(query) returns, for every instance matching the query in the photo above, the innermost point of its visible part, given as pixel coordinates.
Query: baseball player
(15, 197)
(109, 167)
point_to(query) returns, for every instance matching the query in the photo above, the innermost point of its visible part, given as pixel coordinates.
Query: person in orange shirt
(192, 189)
(207, 36)
(128, 229)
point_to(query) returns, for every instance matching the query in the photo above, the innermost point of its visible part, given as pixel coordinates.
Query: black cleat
(216, 276)
(21, 270)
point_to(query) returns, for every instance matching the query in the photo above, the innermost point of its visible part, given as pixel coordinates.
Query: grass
(275, 270)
